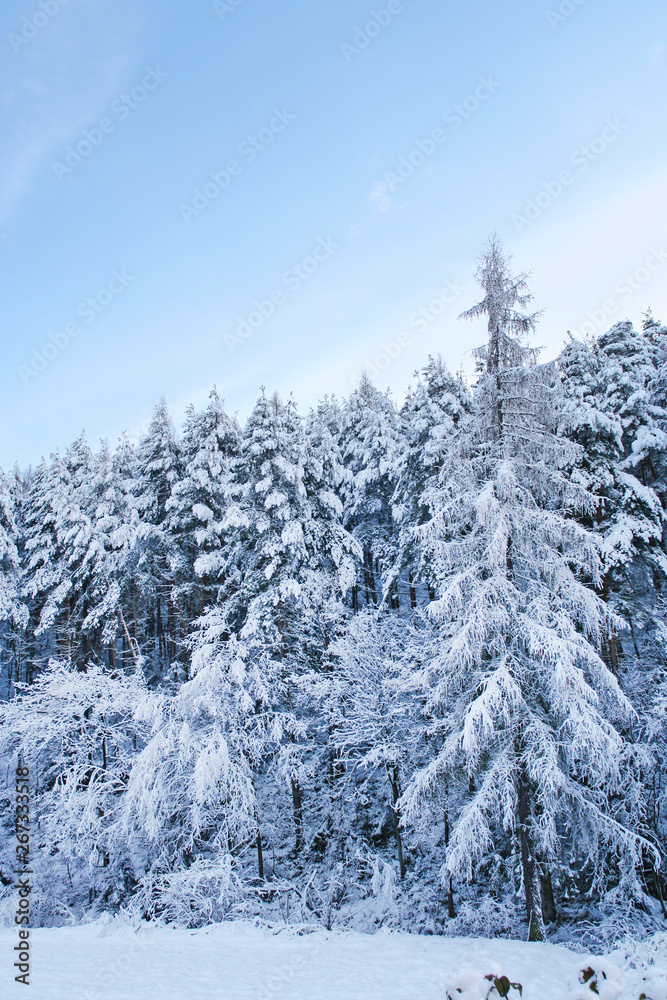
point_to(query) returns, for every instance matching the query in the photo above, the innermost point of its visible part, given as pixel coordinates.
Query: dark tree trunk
(413, 592)
(531, 886)
(610, 647)
(158, 630)
(298, 813)
(451, 912)
(369, 580)
(548, 904)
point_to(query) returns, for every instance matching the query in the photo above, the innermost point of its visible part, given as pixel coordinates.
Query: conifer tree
(198, 503)
(372, 449)
(288, 564)
(14, 614)
(158, 468)
(48, 583)
(528, 707)
(610, 413)
(112, 551)
(430, 416)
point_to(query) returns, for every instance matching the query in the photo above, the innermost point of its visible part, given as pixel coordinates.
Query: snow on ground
(238, 961)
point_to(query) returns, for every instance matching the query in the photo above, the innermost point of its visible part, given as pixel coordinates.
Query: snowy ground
(243, 962)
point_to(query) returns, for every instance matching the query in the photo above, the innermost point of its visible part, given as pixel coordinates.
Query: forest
(378, 665)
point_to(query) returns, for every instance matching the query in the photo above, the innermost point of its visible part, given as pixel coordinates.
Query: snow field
(239, 961)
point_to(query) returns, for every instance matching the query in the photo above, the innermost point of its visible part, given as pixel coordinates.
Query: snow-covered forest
(370, 665)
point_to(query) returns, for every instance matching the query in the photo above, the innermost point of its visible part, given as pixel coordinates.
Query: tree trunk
(536, 931)
(298, 813)
(392, 774)
(549, 913)
(451, 912)
(413, 592)
(68, 646)
(612, 640)
(159, 633)
(260, 856)
(132, 643)
(369, 580)
(632, 633)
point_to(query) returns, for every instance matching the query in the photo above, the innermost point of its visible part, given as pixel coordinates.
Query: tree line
(375, 663)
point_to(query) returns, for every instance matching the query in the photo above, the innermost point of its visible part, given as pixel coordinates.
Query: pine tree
(509, 327)
(159, 465)
(112, 551)
(48, 583)
(656, 334)
(527, 705)
(430, 416)
(198, 503)
(81, 526)
(159, 469)
(287, 567)
(372, 448)
(13, 611)
(610, 413)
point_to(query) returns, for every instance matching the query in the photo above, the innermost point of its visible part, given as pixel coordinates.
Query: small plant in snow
(600, 978)
(471, 985)
(654, 985)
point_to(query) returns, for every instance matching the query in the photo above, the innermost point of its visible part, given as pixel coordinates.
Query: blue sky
(363, 153)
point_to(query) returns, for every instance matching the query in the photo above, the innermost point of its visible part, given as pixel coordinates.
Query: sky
(254, 193)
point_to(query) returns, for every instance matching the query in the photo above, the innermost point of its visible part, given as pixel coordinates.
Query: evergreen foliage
(380, 664)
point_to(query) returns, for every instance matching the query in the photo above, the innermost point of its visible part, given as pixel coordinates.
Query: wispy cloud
(55, 86)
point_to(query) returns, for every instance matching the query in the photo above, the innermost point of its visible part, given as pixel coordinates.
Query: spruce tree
(430, 416)
(14, 613)
(372, 448)
(159, 469)
(198, 503)
(530, 713)
(610, 413)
